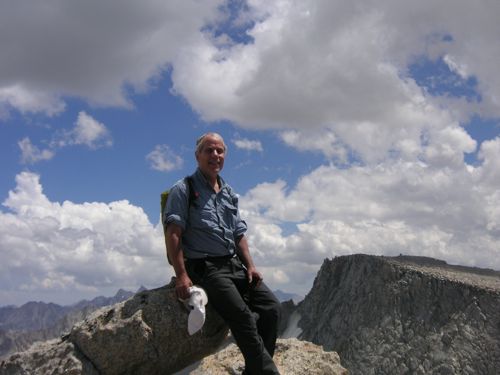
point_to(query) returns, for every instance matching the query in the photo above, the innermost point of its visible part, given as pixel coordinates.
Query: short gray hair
(201, 141)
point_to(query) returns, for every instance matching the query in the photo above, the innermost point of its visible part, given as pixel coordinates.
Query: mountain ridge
(41, 321)
(404, 315)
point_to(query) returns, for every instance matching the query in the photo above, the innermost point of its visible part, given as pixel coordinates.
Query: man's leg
(220, 283)
(263, 301)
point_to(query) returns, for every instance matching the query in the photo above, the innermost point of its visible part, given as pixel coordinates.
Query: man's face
(211, 157)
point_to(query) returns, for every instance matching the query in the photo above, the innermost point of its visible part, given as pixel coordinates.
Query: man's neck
(214, 182)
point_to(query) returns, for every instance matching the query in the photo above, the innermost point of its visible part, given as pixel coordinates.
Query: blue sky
(351, 128)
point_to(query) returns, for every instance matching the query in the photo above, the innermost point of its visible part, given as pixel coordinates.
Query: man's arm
(176, 256)
(253, 275)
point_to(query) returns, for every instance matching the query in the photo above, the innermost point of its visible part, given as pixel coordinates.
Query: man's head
(210, 153)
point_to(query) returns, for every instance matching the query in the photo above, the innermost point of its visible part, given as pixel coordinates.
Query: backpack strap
(192, 195)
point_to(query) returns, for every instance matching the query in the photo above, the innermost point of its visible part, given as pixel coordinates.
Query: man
(207, 246)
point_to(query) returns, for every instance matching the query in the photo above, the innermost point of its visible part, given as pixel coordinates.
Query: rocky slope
(146, 334)
(404, 315)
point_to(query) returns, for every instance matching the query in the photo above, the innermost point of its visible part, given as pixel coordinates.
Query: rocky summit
(146, 334)
(404, 315)
(382, 315)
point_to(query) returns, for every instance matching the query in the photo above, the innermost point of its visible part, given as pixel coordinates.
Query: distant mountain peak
(285, 296)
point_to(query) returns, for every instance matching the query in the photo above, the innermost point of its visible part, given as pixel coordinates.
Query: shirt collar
(201, 177)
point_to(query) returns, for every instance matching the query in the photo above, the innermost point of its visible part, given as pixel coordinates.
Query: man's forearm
(176, 255)
(253, 275)
(174, 250)
(244, 252)
(177, 258)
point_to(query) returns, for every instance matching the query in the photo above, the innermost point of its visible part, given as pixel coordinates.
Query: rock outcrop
(50, 357)
(292, 357)
(146, 334)
(405, 315)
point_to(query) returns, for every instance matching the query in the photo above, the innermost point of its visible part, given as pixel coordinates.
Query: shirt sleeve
(241, 225)
(176, 209)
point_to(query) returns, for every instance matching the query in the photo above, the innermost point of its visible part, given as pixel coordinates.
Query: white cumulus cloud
(98, 51)
(87, 132)
(90, 132)
(346, 73)
(332, 77)
(247, 144)
(416, 208)
(31, 154)
(56, 251)
(163, 159)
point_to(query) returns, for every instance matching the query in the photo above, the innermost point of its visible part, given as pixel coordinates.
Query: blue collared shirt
(213, 224)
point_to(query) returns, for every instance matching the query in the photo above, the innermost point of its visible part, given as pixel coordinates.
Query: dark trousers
(252, 313)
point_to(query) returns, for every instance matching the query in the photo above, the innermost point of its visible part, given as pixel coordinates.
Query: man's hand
(254, 276)
(182, 284)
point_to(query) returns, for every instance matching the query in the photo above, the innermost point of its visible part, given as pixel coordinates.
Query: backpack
(192, 195)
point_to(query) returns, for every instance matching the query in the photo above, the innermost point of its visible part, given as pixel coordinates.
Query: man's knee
(273, 311)
(238, 316)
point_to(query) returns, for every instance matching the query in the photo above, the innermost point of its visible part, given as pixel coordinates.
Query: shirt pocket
(207, 214)
(202, 215)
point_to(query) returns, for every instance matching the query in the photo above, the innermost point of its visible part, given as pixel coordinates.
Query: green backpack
(192, 195)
